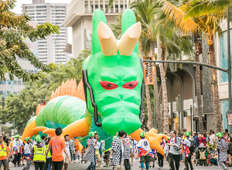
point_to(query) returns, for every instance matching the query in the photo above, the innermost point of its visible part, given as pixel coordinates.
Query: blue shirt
(195, 141)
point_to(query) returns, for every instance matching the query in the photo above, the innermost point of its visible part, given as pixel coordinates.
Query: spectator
(174, 150)
(229, 152)
(195, 139)
(57, 144)
(201, 139)
(117, 151)
(212, 138)
(222, 150)
(226, 135)
(212, 158)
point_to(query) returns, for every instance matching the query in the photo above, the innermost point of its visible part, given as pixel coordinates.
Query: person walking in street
(127, 153)
(68, 148)
(48, 164)
(117, 150)
(44, 138)
(8, 152)
(161, 157)
(186, 145)
(27, 153)
(97, 151)
(174, 150)
(3, 154)
(222, 151)
(90, 152)
(39, 154)
(58, 145)
(145, 152)
(16, 148)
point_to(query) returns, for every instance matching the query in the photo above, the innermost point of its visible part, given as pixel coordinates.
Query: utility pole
(191, 116)
(229, 66)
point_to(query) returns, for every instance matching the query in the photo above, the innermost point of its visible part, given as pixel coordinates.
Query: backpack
(192, 147)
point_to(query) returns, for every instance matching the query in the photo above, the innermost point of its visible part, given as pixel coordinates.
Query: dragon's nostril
(109, 85)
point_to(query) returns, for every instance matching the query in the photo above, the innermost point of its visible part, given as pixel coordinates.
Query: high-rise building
(51, 49)
(79, 17)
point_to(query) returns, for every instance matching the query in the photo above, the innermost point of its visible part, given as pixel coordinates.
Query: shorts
(4, 162)
(66, 161)
(107, 155)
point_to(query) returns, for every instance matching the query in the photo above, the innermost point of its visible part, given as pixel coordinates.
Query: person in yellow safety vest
(3, 153)
(49, 156)
(39, 154)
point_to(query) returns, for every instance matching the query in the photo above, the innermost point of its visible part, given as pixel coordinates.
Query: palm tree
(144, 11)
(206, 16)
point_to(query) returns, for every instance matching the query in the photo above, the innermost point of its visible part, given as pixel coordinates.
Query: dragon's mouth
(129, 122)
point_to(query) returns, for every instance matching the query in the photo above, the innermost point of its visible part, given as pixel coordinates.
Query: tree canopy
(14, 30)
(22, 107)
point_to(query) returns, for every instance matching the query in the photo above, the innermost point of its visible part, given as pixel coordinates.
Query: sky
(18, 10)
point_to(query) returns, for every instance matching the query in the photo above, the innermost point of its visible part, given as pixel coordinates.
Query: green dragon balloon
(113, 85)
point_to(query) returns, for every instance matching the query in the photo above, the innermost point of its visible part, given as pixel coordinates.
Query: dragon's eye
(108, 85)
(130, 85)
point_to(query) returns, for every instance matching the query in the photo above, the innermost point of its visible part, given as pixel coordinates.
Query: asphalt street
(83, 166)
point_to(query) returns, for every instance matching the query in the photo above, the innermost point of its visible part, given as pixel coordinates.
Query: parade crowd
(55, 153)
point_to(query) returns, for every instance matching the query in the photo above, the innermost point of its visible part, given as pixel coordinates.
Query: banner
(148, 73)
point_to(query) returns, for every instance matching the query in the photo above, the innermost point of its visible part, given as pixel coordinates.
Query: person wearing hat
(39, 154)
(145, 152)
(186, 146)
(222, 150)
(27, 152)
(16, 149)
(90, 152)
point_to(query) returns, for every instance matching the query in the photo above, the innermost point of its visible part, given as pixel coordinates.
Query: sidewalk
(83, 166)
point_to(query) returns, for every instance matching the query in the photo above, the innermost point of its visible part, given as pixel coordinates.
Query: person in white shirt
(174, 150)
(212, 138)
(97, 148)
(27, 152)
(66, 159)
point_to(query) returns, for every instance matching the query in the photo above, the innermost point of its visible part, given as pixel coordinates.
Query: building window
(19, 82)
(88, 39)
(40, 6)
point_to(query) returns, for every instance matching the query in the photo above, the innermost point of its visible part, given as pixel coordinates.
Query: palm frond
(206, 7)
(177, 15)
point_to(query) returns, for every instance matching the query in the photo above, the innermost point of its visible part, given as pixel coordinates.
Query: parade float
(110, 97)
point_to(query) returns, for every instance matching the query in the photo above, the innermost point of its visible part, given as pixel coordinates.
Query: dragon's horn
(107, 40)
(129, 39)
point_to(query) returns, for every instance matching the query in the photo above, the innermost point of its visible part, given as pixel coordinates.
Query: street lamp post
(191, 115)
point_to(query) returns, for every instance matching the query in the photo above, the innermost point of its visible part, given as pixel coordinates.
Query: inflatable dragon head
(113, 76)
